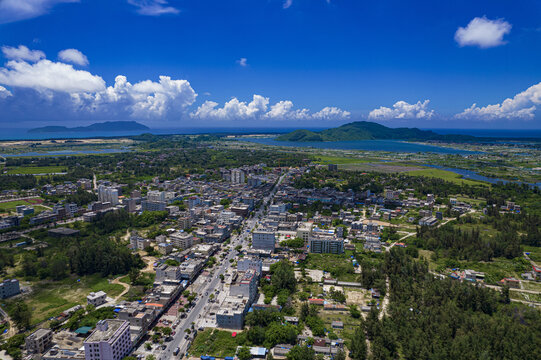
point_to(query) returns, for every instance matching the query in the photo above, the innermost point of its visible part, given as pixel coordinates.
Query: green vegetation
(216, 343)
(366, 130)
(36, 169)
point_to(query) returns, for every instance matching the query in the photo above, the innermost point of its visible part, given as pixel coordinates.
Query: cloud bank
(521, 106)
(259, 109)
(483, 32)
(403, 110)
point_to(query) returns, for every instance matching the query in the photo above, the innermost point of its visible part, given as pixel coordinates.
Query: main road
(202, 302)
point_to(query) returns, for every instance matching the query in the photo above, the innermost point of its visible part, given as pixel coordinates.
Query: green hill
(365, 130)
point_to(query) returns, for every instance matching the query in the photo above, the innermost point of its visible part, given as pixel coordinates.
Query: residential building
(39, 341)
(109, 341)
(108, 194)
(326, 245)
(9, 288)
(96, 298)
(237, 176)
(182, 240)
(147, 205)
(263, 240)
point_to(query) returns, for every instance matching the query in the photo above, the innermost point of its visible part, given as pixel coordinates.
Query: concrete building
(165, 248)
(138, 242)
(96, 298)
(242, 293)
(9, 288)
(250, 263)
(325, 245)
(108, 194)
(109, 341)
(39, 341)
(244, 284)
(304, 231)
(167, 272)
(147, 205)
(263, 240)
(237, 176)
(182, 240)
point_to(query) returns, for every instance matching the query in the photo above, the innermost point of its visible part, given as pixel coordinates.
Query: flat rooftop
(100, 335)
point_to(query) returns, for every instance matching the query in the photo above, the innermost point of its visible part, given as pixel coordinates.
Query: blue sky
(254, 63)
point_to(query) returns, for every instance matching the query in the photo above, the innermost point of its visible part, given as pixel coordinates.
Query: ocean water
(22, 133)
(368, 145)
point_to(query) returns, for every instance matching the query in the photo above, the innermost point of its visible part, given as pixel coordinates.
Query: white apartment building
(237, 176)
(109, 341)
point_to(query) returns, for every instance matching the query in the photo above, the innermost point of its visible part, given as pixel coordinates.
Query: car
(186, 336)
(164, 347)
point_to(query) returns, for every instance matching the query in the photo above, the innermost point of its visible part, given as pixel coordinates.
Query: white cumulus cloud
(287, 4)
(403, 110)
(47, 75)
(145, 99)
(22, 53)
(15, 10)
(78, 92)
(259, 109)
(521, 106)
(153, 7)
(4, 93)
(483, 32)
(73, 56)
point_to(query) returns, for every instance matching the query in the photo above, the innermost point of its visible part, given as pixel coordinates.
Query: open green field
(50, 298)
(216, 343)
(324, 159)
(339, 266)
(445, 175)
(35, 169)
(11, 205)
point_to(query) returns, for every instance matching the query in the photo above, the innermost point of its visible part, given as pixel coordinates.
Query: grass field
(36, 169)
(11, 205)
(216, 343)
(324, 159)
(49, 298)
(445, 175)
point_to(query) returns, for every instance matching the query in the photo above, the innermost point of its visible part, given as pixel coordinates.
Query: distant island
(366, 130)
(104, 126)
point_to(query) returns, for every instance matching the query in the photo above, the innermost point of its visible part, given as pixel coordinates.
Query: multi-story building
(304, 231)
(244, 284)
(182, 240)
(109, 341)
(96, 298)
(250, 263)
(326, 245)
(9, 288)
(167, 272)
(184, 222)
(264, 240)
(108, 194)
(39, 341)
(147, 205)
(238, 176)
(138, 242)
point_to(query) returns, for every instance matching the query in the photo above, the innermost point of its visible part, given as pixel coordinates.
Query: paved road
(202, 304)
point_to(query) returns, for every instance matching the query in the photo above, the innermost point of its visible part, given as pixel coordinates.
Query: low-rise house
(96, 298)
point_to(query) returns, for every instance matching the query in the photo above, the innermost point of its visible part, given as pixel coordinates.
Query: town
(259, 262)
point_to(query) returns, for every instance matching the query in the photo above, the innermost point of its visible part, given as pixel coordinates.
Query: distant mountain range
(366, 130)
(104, 126)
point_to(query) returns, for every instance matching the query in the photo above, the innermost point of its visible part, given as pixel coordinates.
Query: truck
(177, 350)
